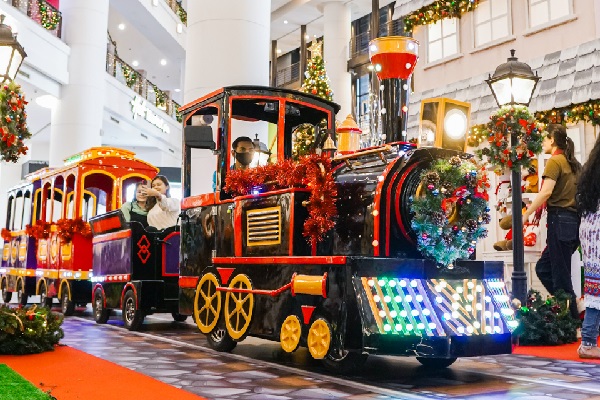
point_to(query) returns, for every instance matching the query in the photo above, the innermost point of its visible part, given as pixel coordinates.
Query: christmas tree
(316, 81)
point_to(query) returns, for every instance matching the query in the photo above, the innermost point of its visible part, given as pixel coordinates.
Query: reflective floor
(177, 354)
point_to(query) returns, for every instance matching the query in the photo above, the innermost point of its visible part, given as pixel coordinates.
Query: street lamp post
(11, 53)
(512, 84)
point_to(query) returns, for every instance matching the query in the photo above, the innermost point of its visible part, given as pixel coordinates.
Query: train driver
(242, 150)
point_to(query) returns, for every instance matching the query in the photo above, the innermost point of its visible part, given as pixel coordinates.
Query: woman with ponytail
(558, 190)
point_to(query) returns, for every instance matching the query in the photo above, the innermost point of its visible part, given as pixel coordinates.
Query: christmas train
(47, 240)
(264, 255)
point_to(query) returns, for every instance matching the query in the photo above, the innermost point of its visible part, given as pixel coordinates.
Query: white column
(336, 35)
(77, 118)
(227, 44)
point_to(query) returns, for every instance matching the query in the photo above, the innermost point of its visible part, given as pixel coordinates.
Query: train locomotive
(247, 270)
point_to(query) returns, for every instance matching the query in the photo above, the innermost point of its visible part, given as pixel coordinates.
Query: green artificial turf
(14, 387)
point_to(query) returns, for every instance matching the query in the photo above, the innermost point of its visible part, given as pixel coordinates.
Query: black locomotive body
(246, 269)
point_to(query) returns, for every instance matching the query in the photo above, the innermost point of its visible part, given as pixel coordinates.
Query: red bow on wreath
(459, 193)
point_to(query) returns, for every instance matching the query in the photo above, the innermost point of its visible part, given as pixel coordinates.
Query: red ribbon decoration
(457, 194)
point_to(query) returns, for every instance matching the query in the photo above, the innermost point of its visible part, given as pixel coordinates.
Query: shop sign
(139, 107)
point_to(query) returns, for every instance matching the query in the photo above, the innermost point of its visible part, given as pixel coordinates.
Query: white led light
(513, 324)
(419, 298)
(387, 328)
(470, 329)
(456, 296)
(426, 312)
(488, 329)
(393, 314)
(370, 282)
(461, 329)
(409, 327)
(438, 288)
(392, 283)
(398, 327)
(397, 299)
(459, 289)
(501, 298)
(447, 316)
(387, 299)
(455, 306)
(403, 313)
(382, 313)
(476, 324)
(488, 299)
(381, 282)
(488, 314)
(421, 325)
(508, 311)
(497, 329)
(408, 298)
(496, 315)
(468, 307)
(443, 284)
(414, 313)
(413, 283)
(478, 288)
(470, 285)
(402, 283)
(478, 306)
(455, 314)
(376, 299)
(470, 297)
(439, 299)
(432, 325)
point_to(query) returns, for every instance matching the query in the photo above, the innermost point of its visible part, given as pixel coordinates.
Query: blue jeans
(589, 328)
(554, 266)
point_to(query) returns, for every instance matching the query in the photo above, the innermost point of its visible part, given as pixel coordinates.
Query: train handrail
(378, 150)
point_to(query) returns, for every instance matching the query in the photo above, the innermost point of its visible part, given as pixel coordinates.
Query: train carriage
(246, 268)
(55, 252)
(135, 270)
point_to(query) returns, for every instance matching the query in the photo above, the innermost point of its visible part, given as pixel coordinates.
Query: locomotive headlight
(455, 123)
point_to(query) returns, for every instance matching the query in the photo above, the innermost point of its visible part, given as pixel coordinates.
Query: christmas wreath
(450, 209)
(312, 171)
(6, 235)
(13, 126)
(544, 322)
(67, 228)
(41, 230)
(498, 132)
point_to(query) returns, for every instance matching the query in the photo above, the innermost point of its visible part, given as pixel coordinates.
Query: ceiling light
(121, 26)
(179, 28)
(154, 3)
(306, 36)
(163, 62)
(177, 90)
(285, 21)
(278, 51)
(135, 63)
(46, 101)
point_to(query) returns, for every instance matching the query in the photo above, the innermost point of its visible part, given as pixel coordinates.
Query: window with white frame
(492, 21)
(442, 39)
(544, 11)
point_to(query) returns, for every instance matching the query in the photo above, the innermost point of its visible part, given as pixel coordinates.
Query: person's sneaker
(588, 352)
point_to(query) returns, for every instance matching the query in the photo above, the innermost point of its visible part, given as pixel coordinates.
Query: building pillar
(77, 118)
(336, 22)
(302, 53)
(273, 82)
(228, 44)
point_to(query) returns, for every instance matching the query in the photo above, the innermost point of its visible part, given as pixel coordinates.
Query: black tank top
(133, 216)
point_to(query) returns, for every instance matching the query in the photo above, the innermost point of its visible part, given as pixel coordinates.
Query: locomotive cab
(247, 269)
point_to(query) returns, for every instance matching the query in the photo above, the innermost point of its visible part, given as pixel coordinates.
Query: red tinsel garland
(6, 235)
(41, 230)
(67, 228)
(311, 171)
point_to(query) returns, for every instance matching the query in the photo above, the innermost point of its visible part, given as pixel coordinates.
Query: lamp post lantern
(11, 52)
(513, 84)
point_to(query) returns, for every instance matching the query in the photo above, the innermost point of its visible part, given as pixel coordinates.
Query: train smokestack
(394, 59)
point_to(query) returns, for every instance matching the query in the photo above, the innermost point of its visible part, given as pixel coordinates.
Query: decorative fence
(41, 12)
(127, 75)
(359, 44)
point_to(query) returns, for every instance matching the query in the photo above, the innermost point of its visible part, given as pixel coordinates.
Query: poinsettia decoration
(67, 228)
(41, 230)
(311, 171)
(13, 125)
(6, 235)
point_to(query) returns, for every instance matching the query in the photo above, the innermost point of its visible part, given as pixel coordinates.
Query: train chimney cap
(348, 125)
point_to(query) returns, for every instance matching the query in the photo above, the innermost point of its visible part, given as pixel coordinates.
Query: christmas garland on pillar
(311, 171)
(450, 210)
(13, 123)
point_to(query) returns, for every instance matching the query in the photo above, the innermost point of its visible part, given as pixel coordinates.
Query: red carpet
(71, 374)
(565, 352)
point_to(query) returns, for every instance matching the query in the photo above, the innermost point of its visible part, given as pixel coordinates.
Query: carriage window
(27, 208)
(70, 205)
(10, 212)
(37, 205)
(89, 206)
(253, 133)
(58, 206)
(18, 220)
(203, 159)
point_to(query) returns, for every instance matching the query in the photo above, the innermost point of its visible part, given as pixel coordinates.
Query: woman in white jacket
(163, 209)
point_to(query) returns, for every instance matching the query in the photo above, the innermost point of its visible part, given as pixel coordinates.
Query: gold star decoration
(316, 49)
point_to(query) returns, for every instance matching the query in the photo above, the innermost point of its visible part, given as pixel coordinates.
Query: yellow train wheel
(207, 303)
(319, 339)
(290, 334)
(238, 307)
